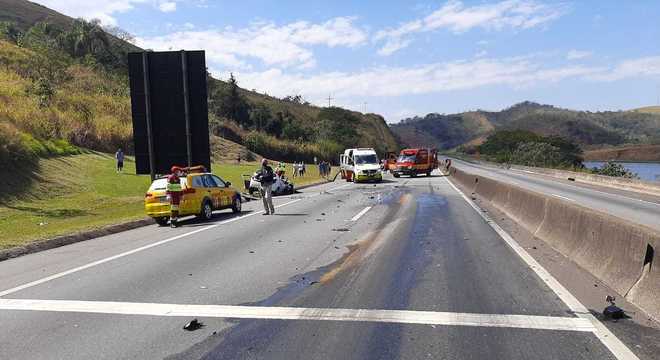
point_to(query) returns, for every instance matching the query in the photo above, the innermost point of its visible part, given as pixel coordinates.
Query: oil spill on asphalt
(385, 341)
(235, 339)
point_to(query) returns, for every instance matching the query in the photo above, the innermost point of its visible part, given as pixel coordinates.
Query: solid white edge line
(293, 313)
(130, 252)
(359, 215)
(616, 347)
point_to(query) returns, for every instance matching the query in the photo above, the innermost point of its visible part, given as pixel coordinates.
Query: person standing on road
(266, 178)
(174, 193)
(119, 156)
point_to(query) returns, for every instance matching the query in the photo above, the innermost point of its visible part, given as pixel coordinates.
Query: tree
(85, 38)
(120, 34)
(9, 31)
(227, 102)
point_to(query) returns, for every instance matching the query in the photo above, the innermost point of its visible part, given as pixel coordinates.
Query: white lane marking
(294, 313)
(562, 197)
(130, 252)
(359, 215)
(618, 348)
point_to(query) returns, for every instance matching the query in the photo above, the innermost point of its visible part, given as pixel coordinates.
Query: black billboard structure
(170, 110)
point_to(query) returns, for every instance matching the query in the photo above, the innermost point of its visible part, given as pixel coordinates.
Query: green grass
(82, 192)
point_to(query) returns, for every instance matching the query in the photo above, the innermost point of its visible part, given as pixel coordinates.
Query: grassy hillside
(583, 127)
(648, 110)
(26, 13)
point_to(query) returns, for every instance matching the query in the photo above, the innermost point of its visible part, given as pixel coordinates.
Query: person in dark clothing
(119, 156)
(266, 177)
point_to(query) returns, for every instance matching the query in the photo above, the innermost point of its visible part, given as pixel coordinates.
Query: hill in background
(64, 85)
(589, 129)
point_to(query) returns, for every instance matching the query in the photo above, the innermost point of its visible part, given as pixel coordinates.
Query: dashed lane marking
(359, 215)
(562, 197)
(616, 347)
(294, 313)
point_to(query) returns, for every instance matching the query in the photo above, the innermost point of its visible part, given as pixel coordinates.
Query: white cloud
(577, 54)
(518, 72)
(398, 81)
(481, 54)
(456, 17)
(646, 66)
(103, 9)
(167, 6)
(286, 45)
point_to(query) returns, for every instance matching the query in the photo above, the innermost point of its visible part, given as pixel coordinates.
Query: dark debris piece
(193, 325)
(341, 229)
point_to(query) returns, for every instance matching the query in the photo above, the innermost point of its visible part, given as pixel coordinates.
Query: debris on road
(203, 287)
(612, 311)
(341, 229)
(251, 251)
(193, 325)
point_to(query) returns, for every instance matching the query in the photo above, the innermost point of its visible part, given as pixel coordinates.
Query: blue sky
(411, 58)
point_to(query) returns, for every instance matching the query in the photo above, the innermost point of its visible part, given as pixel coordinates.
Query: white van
(360, 164)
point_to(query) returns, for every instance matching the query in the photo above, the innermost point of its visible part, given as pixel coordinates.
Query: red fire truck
(416, 161)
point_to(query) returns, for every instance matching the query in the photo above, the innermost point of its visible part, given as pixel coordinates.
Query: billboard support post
(186, 106)
(147, 106)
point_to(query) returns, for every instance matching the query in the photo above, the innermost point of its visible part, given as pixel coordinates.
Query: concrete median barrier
(619, 253)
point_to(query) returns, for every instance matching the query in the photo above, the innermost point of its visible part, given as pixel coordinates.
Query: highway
(634, 207)
(404, 269)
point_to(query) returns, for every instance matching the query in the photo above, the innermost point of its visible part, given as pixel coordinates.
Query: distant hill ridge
(590, 129)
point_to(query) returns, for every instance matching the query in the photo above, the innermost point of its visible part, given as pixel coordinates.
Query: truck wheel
(396, 175)
(413, 174)
(428, 173)
(236, 205)
(206, 211)
(161, 221)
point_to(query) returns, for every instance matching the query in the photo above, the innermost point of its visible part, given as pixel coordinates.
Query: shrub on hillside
(616, 170)
(537, 154)
(527, 148)
(13, 150)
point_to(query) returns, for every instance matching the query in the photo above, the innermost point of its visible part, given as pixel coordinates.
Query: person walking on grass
(266, 177)
(119, 156)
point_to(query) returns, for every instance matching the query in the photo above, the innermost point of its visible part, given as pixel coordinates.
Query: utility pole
(329, 99)
(364, 107)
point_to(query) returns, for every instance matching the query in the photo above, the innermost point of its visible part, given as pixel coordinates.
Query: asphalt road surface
(637, 208)
(403, 269)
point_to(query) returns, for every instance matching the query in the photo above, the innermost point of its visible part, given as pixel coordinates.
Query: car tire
(206, 210)
(396, 175)
(161, 221)
(236, 205)
(428, 173)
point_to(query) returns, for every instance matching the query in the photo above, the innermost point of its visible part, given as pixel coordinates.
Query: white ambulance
(360, 164)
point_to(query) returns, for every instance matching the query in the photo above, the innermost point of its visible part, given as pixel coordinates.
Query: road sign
(170, 110)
